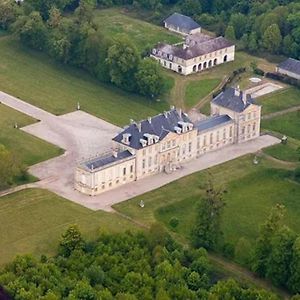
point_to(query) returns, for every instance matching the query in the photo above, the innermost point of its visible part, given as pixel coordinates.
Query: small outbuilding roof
(234, 100)
(182, 21)
(291, 65)
(212, 122)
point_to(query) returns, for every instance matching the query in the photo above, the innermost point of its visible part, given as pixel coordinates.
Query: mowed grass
(251, 192)
(288, 124)
(57, 88)
(280, 100)
(196, 90)
(33, 220)
(28, 149)
(114, 21)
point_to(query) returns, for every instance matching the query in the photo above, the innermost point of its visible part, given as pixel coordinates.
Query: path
(281, 112)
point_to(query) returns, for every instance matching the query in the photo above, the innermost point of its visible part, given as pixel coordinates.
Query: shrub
(174, 222)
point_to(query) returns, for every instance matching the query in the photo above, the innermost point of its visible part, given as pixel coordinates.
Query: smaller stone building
(290, 67)
(199, 52)
(163, 143)
(182, 24)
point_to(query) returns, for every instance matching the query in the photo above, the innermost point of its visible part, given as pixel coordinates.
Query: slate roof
(106, 160)
(181, 21)
(206, 47)
(198, 38)
(159, 125)
(212, 122)
(230, 100)
(291, 65)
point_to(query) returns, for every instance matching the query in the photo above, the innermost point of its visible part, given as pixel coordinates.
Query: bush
(284, 79)
(297, 174)
(228, 250)
(259, 72)
(173, 222)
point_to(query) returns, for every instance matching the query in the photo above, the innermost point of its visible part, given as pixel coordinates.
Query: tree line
(125, 266)
(276, 253)
(71, 37)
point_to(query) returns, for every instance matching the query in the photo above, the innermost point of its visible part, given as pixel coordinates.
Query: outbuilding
(290, 67)
(182, 24)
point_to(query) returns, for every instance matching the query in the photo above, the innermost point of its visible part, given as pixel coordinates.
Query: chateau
(199, 52)
(163, 143)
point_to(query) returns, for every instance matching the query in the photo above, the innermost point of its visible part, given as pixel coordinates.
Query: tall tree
(123, 61)
(191, 7)
(230, 33)
(71, 240)
(294, 281)
(263, 246)
(272, 38)
(207, 229)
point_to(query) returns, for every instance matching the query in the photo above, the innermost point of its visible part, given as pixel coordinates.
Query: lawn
(196, 90)
(33, 220)
(279, 100)
(35, 78)
(287, 152)
(252, 191)
(143, 34)
(288, 124)
(29, 149)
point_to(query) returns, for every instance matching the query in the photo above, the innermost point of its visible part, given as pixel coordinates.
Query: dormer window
(126, 138)
(154, 51)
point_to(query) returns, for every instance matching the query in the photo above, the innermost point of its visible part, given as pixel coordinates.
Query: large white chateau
(165, 142)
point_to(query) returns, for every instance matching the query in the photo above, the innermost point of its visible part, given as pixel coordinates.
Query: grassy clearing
(196, 90)
(288, 152)
(29, 149)
(252, 191)
(287, 124)
(32, 221)
(280, 100)
(57, 88)
(114, 21)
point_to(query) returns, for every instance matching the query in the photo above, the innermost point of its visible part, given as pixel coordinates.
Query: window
(218, 137)
(174, 143)
(204, 141)
(230, 131)
(254, 127)
(124, 171)
(243, 130)
(131, 168)
(183, 149)
(150, 161)
(198, 143)
(144, 151)
(224, 134)
(190, 146)
(144, 164)
(155, 159)
(249, 116)
(170, 66)
(248, 128)
(211, 138)
(169, 144)
(254, 114)
(165, 64)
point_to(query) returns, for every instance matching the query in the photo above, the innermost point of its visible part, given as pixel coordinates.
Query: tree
(279, 261)
(242, 251)
(9, 167)
(272, 38)
(263, 245)
(294, 281)
(191, 7)
(83, 291)
(33, 32)
(71, 240)
(229, 33)
(150, 81)
(8, 14)
(123, 61)
(239, 23)
(252, 43)
(206, 231)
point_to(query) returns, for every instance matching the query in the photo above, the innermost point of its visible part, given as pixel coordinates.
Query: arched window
(199, 67)
(209, 63)
(225, 58)
(179, 69)
(194, 68)
(215, 62)
(205, 65)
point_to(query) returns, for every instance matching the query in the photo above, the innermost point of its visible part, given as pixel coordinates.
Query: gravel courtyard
(83, 136)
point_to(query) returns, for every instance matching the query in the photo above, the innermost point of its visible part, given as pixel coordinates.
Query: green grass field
(196, 90)
(288, 124)
(57, 88)
(280, 100)
(252, 191)
(28, 149)
(32, 221)
(143, 34)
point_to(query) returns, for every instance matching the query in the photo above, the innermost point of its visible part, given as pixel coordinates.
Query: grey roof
(181, 21)
(106, 160)
(198, 38)
(233, 100)
(291, 65)
(212, 122)
(206, 47)
(159, 125)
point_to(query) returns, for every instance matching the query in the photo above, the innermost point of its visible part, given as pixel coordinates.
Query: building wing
(182, 21)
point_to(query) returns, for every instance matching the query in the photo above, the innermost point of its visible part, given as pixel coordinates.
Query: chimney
(132, 121)
(179, 112)
(139, 126)
(149, 120)
(172, 107)
(244, 98)
(237, 91)
(166, 114)
(115, 154)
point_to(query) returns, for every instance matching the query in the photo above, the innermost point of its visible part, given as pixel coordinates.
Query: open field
(280, 100)
(252, 191)
(29, 149)
(57, 88)
(32, 221)
(114, 21)
(196, 90)
(288, 124)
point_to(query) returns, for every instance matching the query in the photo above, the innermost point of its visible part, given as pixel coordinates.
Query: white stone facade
(182, 141)
(181, 30)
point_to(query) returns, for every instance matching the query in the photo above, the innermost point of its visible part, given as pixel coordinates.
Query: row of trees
(79, 42)
(121, 266)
